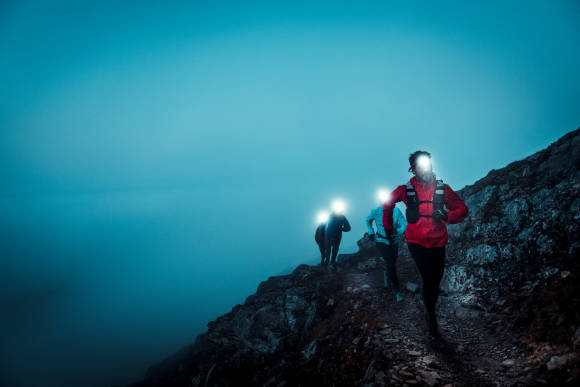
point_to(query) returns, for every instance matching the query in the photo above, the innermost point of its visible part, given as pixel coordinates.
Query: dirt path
(468, 353)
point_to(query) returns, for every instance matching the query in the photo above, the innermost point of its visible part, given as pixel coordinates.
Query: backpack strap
(413, 200)
(412, 211)
(439, 196)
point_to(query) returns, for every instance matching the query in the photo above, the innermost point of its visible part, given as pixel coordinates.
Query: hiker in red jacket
(431, 205)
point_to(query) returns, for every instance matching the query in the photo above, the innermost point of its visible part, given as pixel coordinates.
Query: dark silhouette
(319, 237)
(337, 223)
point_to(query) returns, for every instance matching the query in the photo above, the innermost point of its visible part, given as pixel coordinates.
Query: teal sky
(110, 96)
(160, 159)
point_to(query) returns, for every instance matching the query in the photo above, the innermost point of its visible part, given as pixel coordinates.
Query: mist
(159, 161)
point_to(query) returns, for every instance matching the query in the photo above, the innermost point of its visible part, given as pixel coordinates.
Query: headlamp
(338, 206)
(383, 195)
(322, 217)
(424, 162)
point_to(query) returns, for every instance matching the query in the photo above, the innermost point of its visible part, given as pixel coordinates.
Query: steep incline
(509, 308)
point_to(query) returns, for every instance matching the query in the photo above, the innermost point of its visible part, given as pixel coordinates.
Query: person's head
(338, 206)
(382, 196)
(322, 217)
(420, 165)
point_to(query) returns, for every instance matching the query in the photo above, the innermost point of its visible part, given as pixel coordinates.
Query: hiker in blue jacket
(388, 249)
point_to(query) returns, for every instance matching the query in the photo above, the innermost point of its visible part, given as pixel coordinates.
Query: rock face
(523, 218)
(510, 305)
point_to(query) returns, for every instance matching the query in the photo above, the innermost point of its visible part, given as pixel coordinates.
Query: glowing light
(338, 206)
(383, 195)
(424, 162)
(322, 217)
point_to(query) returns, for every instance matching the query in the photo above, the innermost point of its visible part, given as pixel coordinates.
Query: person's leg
(389, 253)
(394, 276)
(438, 266)
(436, 257)
(335, 246)
(393, 251)
(432, 271)
(418, 255)
(322, 247)
(435, 267)
(326, 250)
(382, 248)
(430, 283)
(423, 263)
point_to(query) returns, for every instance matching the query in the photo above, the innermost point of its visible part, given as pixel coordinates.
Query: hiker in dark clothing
(337, 223)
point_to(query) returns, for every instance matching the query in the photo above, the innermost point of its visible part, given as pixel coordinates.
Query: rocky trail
(509, 311)
(392, 336)
(360, 337)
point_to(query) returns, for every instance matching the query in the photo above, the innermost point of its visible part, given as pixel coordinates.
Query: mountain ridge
(509, 309)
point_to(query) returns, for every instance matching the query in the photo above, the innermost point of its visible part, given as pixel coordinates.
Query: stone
(370, 373)
(369, 264)
(557, 362)
(310, 350)
(481, 255)
(431, 378)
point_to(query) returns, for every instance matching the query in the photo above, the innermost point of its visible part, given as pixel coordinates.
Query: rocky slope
(510, 308)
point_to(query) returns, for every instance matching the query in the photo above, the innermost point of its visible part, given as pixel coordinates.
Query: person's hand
(390, 236)
(440, 215)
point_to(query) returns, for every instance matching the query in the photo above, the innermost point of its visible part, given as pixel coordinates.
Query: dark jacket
(336, 224)
(320, 233)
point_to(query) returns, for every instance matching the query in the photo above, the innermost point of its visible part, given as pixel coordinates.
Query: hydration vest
(413, 201)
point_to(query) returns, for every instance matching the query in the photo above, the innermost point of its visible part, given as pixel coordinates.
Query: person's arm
(345, 224)
(398, 195)
(401, 222)
(369, 222)
(456, 208)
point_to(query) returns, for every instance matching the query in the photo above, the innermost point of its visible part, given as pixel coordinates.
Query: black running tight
(390, 253)
(430, 263)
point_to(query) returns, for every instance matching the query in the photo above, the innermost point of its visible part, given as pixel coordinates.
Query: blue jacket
(399, 224)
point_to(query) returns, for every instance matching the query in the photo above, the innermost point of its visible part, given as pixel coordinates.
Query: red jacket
(427, 232)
